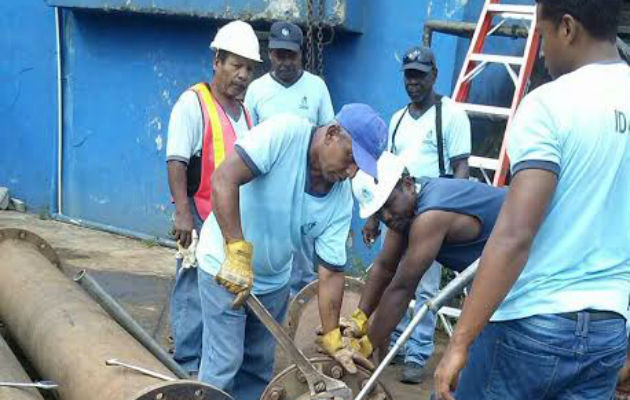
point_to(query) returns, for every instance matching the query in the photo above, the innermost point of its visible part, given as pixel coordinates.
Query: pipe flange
(40, 244)
(308, 295)
(291, 385)
(183, 390)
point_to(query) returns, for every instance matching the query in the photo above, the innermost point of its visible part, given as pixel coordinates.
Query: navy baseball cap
(368, 132)
(419, 58)
(285, 35)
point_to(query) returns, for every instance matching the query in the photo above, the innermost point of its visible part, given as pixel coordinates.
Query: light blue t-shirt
(277, 214)
(578, 127)
(307, 97)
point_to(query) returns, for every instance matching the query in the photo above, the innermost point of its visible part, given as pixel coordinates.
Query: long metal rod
(112, 362)
(466, 29)
(121, 316)
(59, 193)
(44, 385)
(453, 288)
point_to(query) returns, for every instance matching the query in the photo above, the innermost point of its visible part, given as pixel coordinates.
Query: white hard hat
(237, 37)
(372, 195)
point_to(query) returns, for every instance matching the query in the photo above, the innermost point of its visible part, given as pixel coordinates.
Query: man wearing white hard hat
(448, 220)
(204, 125)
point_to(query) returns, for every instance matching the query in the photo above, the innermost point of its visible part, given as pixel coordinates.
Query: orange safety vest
(218, 142)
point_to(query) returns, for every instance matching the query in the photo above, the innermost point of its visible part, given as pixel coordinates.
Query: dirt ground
(139, 275)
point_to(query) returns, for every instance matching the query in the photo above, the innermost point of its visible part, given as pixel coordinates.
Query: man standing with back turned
(554, 277)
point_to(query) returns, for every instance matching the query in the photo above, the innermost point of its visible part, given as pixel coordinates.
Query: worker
(287, 88)
(205, 122)
(448, 220)
(284, 187)
(431, 135)
(546, 314)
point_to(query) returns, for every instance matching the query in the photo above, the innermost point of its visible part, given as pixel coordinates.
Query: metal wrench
(46, 385)
(114, 362)
(320, 385)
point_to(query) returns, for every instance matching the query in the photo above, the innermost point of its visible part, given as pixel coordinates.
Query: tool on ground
(118, 313)
(320, 385)
(476, 61)
(112, 362)
(45, 385)
(453, 288)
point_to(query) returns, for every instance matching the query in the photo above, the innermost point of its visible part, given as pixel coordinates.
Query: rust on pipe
(11, 371)
(67, 336)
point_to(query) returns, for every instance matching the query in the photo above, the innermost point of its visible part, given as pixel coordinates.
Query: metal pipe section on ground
(67, 337)
(11, 371)
(125, 320)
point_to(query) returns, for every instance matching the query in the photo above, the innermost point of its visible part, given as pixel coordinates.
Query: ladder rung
(450, 311)
(495, 58)
(483, 162)
(486, 111)
(511, 8)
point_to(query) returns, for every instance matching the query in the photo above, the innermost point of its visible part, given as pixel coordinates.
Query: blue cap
(368, 132)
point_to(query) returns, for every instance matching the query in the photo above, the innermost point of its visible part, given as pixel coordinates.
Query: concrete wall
(123, 72)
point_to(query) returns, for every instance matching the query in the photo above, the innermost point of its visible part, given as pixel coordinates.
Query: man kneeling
(448, 220)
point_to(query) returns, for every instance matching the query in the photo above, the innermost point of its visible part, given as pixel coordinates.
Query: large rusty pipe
(11, 371)
(67, 337)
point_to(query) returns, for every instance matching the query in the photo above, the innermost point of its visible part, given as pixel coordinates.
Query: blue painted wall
(122, 74)
(28, 101)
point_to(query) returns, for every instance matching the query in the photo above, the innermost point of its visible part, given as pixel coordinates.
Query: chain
(320, 39)
(309, 62)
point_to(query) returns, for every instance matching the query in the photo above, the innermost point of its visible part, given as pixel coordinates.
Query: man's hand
(236, 273)
(371, 231)
(347, 351)
(182, 231)
(356, 326)
(447, 372)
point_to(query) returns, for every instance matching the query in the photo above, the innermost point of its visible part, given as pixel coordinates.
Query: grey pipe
(454, 287)
(121, 316)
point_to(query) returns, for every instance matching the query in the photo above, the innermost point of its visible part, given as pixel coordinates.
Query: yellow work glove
(356, 326)
(344, 350)
(236, 273)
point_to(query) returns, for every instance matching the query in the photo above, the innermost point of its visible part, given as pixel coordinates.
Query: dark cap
(419, 58)
(285, 35)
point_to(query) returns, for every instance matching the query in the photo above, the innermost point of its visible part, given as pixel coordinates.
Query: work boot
(411, 373)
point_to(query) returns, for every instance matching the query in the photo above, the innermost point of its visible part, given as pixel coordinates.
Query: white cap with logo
(371, 194)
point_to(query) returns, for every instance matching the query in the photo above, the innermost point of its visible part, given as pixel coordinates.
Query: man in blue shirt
(554, 278)
(288, 88)
(284, 189)
(448, 220)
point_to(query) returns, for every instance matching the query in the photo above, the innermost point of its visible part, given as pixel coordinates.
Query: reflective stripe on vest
(218, 143)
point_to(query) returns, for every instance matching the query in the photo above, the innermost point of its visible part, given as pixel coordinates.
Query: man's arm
(330, 297)
(177, 182)
(425, 239)
(501, 263)
(460, 168)
(226, 180)
(382, 271)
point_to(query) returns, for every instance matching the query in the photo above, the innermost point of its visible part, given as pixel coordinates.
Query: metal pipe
(114, 229)
(11, 370)
(466, 29)
(59, 193)
(67, 336)
(125, 320)
(454, 287)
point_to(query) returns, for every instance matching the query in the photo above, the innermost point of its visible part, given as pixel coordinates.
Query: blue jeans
(186, 311)
(545, 357)
(419, 347)
(302, 273)
(238, 350)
